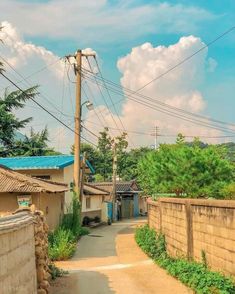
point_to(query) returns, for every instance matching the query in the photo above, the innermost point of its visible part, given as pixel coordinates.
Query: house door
(127, 208)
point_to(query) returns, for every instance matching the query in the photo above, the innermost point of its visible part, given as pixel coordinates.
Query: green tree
(36, 144)
(185, 170)
(104, 166)
(9, 123)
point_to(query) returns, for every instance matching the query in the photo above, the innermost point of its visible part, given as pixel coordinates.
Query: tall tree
(104, 167)
(36, 144)
(9, 123)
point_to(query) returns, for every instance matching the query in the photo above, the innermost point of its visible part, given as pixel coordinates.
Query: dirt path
(109, 261)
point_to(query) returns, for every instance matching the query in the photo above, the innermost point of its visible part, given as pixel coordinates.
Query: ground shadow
(82, 283)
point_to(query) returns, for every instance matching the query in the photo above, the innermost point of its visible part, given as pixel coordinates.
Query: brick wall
(192, 226)
(17, 255)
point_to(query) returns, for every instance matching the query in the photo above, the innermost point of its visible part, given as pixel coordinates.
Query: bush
(71, 220)
(195, 275)
(84, 231)
(61, 244)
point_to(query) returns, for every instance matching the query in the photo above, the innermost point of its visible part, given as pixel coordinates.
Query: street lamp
(89, 105)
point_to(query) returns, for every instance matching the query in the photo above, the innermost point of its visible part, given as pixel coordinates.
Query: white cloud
(99, 21)
(179, 88)
(52, 80)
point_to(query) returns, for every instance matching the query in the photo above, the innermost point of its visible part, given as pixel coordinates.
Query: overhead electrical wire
(187, 58)
(152, 105)
(102, 95)
(42, 107)
(111, 99)
(120, 89)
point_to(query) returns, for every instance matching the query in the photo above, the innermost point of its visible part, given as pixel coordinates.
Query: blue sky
(112, 28)
(219, 87)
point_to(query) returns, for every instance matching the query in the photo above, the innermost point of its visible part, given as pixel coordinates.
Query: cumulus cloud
(26, 59)
(99, 21)
(179, 88)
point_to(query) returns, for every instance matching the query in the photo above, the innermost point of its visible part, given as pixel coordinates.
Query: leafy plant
(61, 244)
(195, 275)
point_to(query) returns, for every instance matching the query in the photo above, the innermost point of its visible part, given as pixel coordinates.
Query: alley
(108, 261)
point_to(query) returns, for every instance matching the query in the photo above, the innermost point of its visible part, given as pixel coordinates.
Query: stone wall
(17, 255)
(24, 263)
(192, 227)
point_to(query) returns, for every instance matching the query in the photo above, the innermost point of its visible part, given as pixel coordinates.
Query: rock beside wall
(41, 252)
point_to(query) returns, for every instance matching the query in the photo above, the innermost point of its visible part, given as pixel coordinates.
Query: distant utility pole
(78, 110)
(114, 178)
(155, 137)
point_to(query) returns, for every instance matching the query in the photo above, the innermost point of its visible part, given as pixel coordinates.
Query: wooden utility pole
(114, 178)
(155, 139)
(77, 139)
(78, 113)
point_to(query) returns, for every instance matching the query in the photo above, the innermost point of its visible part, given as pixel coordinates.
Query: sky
(135, 41)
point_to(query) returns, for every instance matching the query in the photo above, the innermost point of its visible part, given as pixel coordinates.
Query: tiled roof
(121, 186)
(93, 190)
(40, 162)
(12, 181)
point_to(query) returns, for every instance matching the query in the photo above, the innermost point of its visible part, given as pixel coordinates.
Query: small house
(93, 199)
(18, 190)
(57, 168)
(128, 193)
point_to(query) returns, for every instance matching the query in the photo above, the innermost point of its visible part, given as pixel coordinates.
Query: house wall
(52, 205)
(195, 226)
(96, 203)
(54, 202)
(17, 255)
(57, 175)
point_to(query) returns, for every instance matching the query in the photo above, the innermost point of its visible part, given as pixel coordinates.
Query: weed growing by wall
(195, 275)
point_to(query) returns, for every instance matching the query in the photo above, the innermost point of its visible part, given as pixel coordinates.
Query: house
(129, 194)
(18, 190)
(57, 168)
(93, 200)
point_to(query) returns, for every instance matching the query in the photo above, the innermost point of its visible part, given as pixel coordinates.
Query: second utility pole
(114, 178)
(77, 139)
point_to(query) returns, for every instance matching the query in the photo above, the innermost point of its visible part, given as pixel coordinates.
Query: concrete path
(108, 261)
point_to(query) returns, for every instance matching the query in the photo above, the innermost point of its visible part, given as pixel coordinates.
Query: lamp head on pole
(89, 105)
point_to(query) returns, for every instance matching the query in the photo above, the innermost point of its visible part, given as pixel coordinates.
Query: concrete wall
(17, 255)
(52, 205)
(193, 226)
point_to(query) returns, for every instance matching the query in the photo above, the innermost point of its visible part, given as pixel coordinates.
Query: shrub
(195, 275)
(61, 244)
(71, 220)
(83, 231)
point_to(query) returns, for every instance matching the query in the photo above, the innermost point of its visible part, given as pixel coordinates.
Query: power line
(42, 107)
(186, 59)
(111, 99)
(167, 111)
(102, 95)
(160, 102)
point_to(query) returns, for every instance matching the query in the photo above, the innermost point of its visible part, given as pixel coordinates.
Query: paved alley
(109, 261)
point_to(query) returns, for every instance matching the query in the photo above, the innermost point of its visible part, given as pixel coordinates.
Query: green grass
(193, 274)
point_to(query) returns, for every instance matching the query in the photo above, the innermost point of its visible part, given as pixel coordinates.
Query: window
(88, 202)
(43, 177)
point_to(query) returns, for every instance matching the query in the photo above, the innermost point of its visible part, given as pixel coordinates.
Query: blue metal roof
(40, 162)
